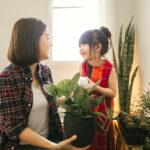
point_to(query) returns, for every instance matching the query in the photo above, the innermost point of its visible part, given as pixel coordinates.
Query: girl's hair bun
(106, 32)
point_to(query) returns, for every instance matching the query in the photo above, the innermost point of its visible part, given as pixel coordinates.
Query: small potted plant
(137, 119)
(146, 145)
(144, 128)
(131, 127)
(78, 118)
(122, 118)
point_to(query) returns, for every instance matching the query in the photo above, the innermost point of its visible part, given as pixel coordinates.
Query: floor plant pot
(83, 128)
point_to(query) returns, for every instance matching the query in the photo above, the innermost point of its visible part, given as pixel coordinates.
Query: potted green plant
(78, 118)
(144, 128)
(141, 106)
(137, 119)
(146, 145)
(124, 65)
(131, 127)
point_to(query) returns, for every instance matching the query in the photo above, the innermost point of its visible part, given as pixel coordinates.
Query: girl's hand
(71, 95)
(90, 84)
(66, 145)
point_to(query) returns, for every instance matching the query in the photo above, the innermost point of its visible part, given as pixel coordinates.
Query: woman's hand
(66, 145)
(62, 99)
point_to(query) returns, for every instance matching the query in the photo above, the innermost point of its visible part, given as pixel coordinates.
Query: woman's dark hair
(24, 44)
(93, 37)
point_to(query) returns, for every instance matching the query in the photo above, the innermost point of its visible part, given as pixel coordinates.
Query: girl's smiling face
(86, 53)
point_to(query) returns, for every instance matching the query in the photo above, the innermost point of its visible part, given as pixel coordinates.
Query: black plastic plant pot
(83, 128)
(131, 131)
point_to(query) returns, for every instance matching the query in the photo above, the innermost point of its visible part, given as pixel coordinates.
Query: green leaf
(87, 116)
(128, 28)
(110, 113)
(74, 80)
(63, 86)
(51, 89)
(114, 59)
(96, 101)
(80, 94)
(100, 114)
(130, 90)
(90, 90)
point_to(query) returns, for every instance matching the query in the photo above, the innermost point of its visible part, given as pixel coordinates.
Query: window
(70, 19)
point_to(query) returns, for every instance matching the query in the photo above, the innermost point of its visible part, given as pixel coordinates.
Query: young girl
(28, 115)
(93, 45)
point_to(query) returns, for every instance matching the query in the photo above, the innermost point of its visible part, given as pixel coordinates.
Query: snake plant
(124, 65)
(82, 101)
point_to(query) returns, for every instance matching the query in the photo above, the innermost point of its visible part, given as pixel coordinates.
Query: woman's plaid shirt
(16, 100)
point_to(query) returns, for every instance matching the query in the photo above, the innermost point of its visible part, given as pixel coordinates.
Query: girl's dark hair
(24, 44)
(93, 37)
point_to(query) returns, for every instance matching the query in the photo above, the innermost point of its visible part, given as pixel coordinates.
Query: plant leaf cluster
(82, 102)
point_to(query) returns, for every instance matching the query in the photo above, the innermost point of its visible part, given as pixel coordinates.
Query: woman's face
(44, 46)
(85, 52)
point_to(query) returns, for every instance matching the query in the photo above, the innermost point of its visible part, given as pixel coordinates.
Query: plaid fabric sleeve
(11, 119)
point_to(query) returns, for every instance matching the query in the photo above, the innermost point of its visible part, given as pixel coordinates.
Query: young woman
(28, 115)
(94, 44)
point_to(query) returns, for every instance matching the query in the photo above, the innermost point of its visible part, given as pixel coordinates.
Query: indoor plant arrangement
(141, 105)
(124, 65)
(78, 118)
(144, 108)
(146, 145)
(134, 128)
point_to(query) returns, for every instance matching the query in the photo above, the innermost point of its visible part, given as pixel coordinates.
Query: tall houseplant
(78, 109)
(124, 65)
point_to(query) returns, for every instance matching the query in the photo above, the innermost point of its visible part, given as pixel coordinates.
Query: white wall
(10, 12)
(143, 39)
(125, 9)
